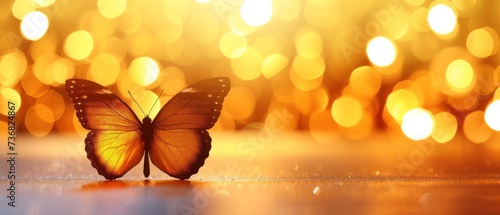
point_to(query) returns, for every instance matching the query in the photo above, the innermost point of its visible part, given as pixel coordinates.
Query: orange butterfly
(176, 141)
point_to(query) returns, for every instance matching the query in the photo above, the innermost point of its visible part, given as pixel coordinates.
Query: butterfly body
(147, 138)
(176, 140)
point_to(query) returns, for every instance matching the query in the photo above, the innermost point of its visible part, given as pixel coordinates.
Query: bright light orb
(381, 51)
(418, 124)
(79, 45)
(144, 71)
(34, 25)
(256, 12)
(459, 75)
(492, 115)
(442, 19)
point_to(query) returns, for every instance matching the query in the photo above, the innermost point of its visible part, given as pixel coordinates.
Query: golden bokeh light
(239, 26)
(340, 68)
(464, 5)
(308, 68)
(37, 120)
(365, 81)
(492, 114)
(309, 102)
(144, 71)
(240, 102)
(381, 51)
(34, 25)
(316, 11)
(12, 67)
(482, 42)
(79, 45)
(146, 99)
(286, 10)
(45, 45)
(232, 45)
(418, 19)
(347, 111)
(308, 43)
(60, 70)
(204, 27)
(322, 127)
(442, 19)
(417, 124)
(256, 12)
(267, 45)
(172, 79)
(414, 3)
(247, 66)
(400, 102)
(55, 101)
(105, 69)
(9, 94)
(176, 11)
(304, 84)
(360, 130)
(273, 64)
(460, 76)
(130, 20)
(475, 127)
(44, 3)
(445, 128)
(22, 7)
(111, 8)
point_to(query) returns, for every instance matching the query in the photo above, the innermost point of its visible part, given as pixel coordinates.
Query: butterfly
(176, 140)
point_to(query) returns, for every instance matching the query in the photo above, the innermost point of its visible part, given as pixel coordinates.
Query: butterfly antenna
(136, 102)
(155, 102)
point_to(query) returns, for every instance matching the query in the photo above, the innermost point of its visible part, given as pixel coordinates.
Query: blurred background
(416, 69)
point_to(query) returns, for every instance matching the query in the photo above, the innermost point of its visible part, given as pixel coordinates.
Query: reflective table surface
(290, 173)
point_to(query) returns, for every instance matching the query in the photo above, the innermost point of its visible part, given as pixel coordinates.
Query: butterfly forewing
(180, 141)
(95, 106)
(114, 143)
(196, 107)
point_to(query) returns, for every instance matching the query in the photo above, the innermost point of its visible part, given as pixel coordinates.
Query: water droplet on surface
(316, 191)
(42, 188)
(58, 191)
(223, 192)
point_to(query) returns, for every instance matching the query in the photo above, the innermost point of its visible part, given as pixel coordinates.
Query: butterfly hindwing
(180, 141)
(180, 152)
(113, 153)
(114, 144)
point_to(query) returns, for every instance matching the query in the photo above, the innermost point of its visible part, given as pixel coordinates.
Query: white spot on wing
(84, 96)
(189, 90)
(210, 95)
(105, 91)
